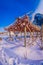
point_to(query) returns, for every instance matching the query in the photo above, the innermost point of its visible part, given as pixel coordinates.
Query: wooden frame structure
(23, 25)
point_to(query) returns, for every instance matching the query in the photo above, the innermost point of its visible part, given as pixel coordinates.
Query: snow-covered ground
(15, 52)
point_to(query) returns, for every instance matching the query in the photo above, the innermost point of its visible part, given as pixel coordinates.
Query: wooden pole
(10, 37)
(29, 31)
(25, 36)
(42, 36)
(9, 34)
(33, 38)
(20, 33)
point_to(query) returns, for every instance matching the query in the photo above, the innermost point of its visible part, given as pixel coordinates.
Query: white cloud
(39, 9)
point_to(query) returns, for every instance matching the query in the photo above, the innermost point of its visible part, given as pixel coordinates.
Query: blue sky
(11, 9)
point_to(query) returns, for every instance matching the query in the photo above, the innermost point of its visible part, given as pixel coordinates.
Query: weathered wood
(41, 37)
(25, 36)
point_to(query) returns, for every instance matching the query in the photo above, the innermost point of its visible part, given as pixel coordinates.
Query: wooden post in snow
(9, 34)
(42, 37)
(25, 36)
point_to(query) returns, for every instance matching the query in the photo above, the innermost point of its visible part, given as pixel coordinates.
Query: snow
(11, 61)
(14, 50)
(29, 53)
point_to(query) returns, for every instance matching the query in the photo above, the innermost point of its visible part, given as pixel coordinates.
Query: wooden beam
(25, 36)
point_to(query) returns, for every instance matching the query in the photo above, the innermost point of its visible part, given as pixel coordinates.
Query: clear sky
(11, 9)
